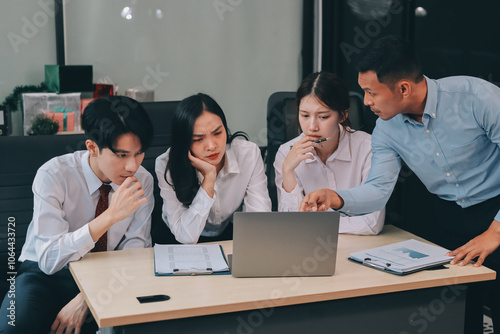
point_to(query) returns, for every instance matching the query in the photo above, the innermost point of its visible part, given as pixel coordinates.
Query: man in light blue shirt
(448, 132)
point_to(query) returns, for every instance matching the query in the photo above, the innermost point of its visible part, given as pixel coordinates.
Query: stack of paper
(403, 257)
(189, 260)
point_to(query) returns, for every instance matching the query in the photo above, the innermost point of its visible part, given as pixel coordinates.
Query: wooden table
(356, 299)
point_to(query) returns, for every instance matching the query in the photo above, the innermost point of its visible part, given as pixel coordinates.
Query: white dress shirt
(347, 167)
(241, 179)
(66, 192)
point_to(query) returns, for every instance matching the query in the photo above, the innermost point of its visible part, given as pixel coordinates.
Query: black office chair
(282, 125)
(356, 111)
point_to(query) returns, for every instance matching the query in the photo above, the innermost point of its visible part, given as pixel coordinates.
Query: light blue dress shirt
(455, 151)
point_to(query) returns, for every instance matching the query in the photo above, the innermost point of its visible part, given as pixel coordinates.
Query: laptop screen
(282, 244)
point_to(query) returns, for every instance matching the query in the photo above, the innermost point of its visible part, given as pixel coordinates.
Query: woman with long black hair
(207, 174)
(328, 153)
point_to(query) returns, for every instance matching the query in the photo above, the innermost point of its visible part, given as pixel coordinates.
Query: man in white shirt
(66, 224)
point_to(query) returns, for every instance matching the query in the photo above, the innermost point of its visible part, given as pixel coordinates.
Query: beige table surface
(111, 281)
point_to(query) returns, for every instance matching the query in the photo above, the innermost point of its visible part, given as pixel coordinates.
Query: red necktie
(102, 244)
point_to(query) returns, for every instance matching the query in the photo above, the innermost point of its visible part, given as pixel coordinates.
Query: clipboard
(215, 255)
(403, 258)
(380, 266)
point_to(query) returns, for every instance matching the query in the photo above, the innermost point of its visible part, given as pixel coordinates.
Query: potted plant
(43, 125)
(13, 102)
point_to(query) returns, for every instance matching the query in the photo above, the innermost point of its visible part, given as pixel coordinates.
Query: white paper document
(403, 257)
(189, 259)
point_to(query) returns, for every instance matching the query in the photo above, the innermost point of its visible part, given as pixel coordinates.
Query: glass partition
(237, 51)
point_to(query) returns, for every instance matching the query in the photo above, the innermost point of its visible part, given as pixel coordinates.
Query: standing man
(448, 132)
(100, 199)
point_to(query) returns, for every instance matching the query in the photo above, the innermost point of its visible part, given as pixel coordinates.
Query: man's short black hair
(392, 59)
(107, 118)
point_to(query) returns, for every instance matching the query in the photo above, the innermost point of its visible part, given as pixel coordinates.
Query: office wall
(238, 51)
(27, 43)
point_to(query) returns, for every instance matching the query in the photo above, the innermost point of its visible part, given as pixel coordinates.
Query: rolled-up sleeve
(55, 245)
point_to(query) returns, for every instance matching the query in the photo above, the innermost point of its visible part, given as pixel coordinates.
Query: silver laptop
(282, 244)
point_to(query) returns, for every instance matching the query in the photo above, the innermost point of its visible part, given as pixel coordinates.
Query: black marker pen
(320, 140)
(317, 141)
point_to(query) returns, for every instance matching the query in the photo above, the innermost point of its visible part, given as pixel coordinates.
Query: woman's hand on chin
(206, 169)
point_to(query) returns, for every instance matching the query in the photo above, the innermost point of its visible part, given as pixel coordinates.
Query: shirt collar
(430, 103)
(343, 152)
(93, 182)
(431, 99)
(230, 162)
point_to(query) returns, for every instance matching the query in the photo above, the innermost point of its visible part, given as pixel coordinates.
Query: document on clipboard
(199, 259)
(403, 257)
